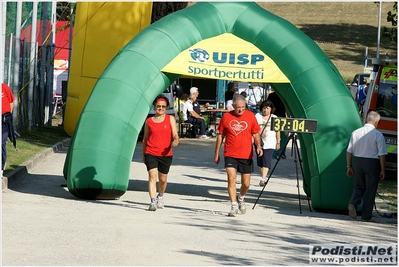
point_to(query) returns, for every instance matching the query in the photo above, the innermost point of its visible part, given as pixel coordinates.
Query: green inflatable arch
(99, 157)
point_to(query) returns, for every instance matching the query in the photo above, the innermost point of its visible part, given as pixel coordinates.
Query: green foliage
(63, 12)
(12, 15)
(162, 9)
(392, 17)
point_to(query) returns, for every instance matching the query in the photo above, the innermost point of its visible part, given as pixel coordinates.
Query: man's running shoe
(241, 206)
(160, 203)
(233, 212)
(153, 207)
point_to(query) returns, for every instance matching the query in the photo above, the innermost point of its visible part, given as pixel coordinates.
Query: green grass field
(32, 142)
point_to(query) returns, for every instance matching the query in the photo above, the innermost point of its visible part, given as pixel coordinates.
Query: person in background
(191, 116)
(255, 95)
(229, 104)
(367, 146)
(179, 108)
(270, 138)
(280, 111)
(238, 128)
(196, 105)
(228, 97)
(7, 105)
(361, 95)
(245, 96)
(183, 99)
(160, 134)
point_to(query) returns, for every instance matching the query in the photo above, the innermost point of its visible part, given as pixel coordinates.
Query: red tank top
(6, 98)
(159, 142)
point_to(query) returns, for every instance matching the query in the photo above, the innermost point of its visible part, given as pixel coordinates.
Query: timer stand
(297, 157)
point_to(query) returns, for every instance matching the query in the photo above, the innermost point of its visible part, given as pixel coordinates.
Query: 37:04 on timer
(294, 125)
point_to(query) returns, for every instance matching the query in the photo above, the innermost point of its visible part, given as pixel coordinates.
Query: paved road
(43, 224)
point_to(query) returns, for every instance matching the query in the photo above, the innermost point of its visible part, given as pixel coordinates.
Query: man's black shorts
(241, 165)
(162, 163)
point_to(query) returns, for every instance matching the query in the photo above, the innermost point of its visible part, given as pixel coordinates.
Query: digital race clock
(294, 125)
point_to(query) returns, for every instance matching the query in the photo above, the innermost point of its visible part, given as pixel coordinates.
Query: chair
(185, 128)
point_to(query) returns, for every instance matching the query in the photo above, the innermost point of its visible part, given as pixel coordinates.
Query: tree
(64, 10)
(12, 13)
(392, 17)
(162, 9)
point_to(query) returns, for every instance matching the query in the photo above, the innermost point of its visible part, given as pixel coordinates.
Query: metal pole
(70, 38)
(2, 54)
(43, 65)
(3, 9)
(69, 62)
(32, 62)
(379, 30)
(9, 59)
(50, 69)
(17, 56)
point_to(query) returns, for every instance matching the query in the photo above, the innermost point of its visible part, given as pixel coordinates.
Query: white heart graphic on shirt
(238, 126)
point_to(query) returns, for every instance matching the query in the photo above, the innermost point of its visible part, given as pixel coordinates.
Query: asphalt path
(43, 224)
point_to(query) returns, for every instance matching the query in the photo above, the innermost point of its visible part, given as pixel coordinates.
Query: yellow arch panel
(101, 30)
(226, 57)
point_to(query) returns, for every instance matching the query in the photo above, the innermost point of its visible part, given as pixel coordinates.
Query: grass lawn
(32, 142)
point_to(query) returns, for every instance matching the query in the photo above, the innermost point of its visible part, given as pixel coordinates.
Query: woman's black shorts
(162, 163)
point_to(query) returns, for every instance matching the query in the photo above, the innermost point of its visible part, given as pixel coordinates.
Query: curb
(19, 172)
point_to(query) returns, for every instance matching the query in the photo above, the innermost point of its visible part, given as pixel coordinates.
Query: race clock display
(294, 125)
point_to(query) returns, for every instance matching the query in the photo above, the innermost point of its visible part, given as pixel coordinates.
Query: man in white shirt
(196, 105)
(367, 145)
(190, 116)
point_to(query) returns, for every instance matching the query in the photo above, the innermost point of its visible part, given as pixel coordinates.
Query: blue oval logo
(199, 55)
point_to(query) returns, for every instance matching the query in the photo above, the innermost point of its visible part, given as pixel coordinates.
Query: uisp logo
(199, 55)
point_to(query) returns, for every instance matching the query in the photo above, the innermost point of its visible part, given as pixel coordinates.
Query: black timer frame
(297, 156)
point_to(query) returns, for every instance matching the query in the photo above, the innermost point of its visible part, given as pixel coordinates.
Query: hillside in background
(342, 30)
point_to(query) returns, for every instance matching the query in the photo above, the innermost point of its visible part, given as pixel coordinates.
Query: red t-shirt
(238, 131)
(159, 142)
(6, 98)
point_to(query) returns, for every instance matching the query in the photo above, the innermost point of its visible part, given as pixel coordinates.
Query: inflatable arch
(98, 161)
(102, 29)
